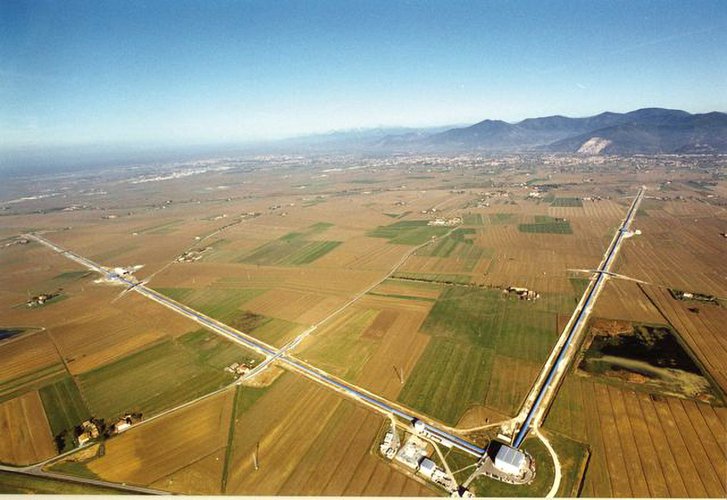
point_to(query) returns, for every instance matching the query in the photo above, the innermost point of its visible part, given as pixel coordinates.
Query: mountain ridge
(645, 130)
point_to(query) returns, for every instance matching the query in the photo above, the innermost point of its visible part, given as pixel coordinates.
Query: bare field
(198, 478)
(25, 436)
(703, 332)
(683, 252)
(642, 446)
(157, 451)
(318, 445)
(84, 349)
(28, 360)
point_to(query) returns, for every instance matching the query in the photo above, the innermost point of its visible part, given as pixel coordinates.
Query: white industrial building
(427, 468)
(510, 460)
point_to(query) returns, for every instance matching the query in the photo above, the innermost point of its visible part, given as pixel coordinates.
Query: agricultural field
(161, 376)
(566, 202)
(19, 484)
(28, 362)
(293, 249)
(490, 334)
(546, 224)
(418, 315)
(65, 409)
(25, 437)
(159, 451)
(643, 445)
(409, 232)
(457, 253)
(320, 446)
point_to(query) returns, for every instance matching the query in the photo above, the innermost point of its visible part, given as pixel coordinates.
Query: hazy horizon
(76, 73)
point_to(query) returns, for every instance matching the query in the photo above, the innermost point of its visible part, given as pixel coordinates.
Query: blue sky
(179, 71)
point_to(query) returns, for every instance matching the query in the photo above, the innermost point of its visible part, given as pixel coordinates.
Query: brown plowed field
(644, 446)
(198, 478)
(26, 360)
(107, 331)
(167, 446)
(704, 332)
(313, 444)
(25, 436)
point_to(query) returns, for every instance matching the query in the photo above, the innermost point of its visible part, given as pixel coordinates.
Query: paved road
(37, 472)
(545, 387)
(356, 393)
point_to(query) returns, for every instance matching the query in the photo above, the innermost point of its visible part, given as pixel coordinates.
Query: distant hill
(705, 133)
(649, 130)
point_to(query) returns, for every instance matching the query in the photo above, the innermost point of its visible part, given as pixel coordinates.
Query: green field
(292, 249)
(23, 484)
(64, 408)
(224, 303)
(409, 232)
(276, 331)
(73, 468)
(71, 276)
(546, 224)
(344, 352)
(457, 245)
(579, 285)
(573, 456)
(159, 377)
(218, 302)
(567, 202)
(448, 378)
(503, 218)
(478, 332)
(213, 350)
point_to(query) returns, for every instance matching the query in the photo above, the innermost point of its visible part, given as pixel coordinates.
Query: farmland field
(678, 445)
(64, 407)
(293, 249)
(566, 202)
(414, 232)
(18, 484)
(423, 316)
(25, 436)
(27, 362)
(319, 446)
(481, 332)
(449, 377)
(158, 451)
(546, 224)
(158, 377)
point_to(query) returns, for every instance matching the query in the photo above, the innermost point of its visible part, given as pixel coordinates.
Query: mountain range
(647, 131)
